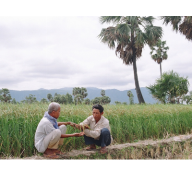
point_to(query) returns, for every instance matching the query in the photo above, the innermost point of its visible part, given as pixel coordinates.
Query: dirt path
(143, 143)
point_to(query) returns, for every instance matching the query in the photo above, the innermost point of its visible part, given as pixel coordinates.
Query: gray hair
(53, 107)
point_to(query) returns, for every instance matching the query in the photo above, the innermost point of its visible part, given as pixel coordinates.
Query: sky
(57, 52)
(53, 52)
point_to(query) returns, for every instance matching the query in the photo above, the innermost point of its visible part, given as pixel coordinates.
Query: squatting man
(50, 133)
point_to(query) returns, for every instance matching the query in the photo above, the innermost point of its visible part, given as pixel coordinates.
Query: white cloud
(56, 52)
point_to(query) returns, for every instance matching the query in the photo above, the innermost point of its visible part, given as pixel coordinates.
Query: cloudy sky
(54, 52)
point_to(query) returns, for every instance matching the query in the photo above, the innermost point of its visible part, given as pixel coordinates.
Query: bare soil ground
(139, 144)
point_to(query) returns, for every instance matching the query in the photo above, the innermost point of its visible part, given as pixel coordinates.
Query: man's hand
(79, 134)
(64, 123)
(68, 123)
(82, 127)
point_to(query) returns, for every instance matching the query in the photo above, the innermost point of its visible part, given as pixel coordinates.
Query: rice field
(18, 124)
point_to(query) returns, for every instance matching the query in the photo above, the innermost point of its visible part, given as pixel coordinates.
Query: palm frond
(148, 20)
(132, 20)
(153, 34)
(110, 19)
(140, 38)
(123, 29)
(174, 20)
(186, 27)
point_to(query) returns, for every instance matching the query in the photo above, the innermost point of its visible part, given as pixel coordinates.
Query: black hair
(99, 107)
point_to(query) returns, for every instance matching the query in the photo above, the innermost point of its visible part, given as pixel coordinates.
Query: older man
(99, 133)
(50, 133)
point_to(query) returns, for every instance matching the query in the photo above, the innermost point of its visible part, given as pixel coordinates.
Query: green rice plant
(128, 123)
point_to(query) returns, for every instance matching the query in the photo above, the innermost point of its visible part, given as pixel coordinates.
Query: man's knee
(63, 129)
(56, 134)
(105, 131)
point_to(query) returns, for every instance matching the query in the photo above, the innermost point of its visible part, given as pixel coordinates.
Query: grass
(128, 124)
(175, 150)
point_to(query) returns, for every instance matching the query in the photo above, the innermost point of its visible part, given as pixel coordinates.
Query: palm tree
(103, 92)
(161, 53)
(129, 36)
(79, 94)
(180, 23)
(130, 95)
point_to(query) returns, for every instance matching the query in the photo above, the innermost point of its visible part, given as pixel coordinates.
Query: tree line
(163, 92)
(78, 97)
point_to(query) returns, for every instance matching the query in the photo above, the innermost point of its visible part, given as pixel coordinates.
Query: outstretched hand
(79, 134)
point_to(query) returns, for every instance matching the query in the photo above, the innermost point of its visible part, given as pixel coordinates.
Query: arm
(97, 131)
(81, 127)
(72, 135)
(64, 123)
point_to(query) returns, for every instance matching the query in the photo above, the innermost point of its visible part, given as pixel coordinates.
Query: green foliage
(180, 23)
(101, 100)
(79, 94)
(128, 124)
(30, 99)
(50, 98)
(14, 101)
(61, 99)
(117, 102)
(169, 88)
(131, 97)
(159, 53)
(5, 95)
(188, 98)
(87, 101)
(69, 99)
(128, 37)
(102, 92)
(44, 100)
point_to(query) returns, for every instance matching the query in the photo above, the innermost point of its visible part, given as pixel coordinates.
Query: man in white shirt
(50, 133)
(99, 133)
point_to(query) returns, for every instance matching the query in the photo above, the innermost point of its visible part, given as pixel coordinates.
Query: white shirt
(44, 128)
(95, 128)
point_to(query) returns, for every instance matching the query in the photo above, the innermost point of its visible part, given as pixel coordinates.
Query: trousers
(104, 140)
(53, 139)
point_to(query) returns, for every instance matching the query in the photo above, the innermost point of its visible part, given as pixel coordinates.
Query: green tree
(101, 100)
(87, 101)
(117, 102)
(5, 95)
(169, 88)
(129, 36)
(105, 100)
(14, 101)
(103, 92)
(130, 95)
(187, 98)
(79, 94)
(180, 23)
(43, 100)
(57, 98)
(69, 99)
(50, 98)
(159, 53)
(63, 99)
(30, 99)
(96, 100)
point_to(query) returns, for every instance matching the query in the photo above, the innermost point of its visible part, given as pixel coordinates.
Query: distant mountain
(114, 94)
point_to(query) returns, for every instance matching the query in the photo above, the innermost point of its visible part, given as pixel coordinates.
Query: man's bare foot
(103, 150)
(91, 147)
(48, 151)
(57, 151)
